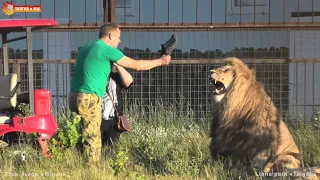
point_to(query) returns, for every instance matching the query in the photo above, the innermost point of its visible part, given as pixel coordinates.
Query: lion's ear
(233, 61)
(228, 61)
(227, 67)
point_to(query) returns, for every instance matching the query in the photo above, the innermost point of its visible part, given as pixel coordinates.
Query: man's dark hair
(107, 28)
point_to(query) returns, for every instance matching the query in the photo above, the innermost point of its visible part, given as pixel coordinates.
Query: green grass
(157, 149)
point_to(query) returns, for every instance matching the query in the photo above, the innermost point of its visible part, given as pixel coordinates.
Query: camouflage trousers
(89, 107)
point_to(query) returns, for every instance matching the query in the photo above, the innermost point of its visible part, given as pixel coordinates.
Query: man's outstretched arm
(143, 65)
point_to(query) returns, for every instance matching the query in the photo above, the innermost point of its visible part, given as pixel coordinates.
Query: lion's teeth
(215, 81)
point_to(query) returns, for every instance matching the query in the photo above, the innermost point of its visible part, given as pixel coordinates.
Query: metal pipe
(85, 12)
(312, 11)
(168, 11)
(96, 12)
(254, 12)
(225, 11)
(298, 11)
(5, 54)
(139, 11)
(30, 69)
(154, 12)
(197, 11)
(70, 14)
(16, 39)
(124, 11)
(211, 18)
(269, 11)
(182, 12)
(305, 91)
(284, 11)
(40, 11)
(240, 12)
(54, 9)
(25, 3)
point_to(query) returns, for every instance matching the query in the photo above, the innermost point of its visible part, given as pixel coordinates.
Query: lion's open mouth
(218, 87)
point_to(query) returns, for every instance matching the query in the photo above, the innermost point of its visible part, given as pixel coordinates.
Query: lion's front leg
(213, 152)
(260, 160)
(213, 130)
(216, 152)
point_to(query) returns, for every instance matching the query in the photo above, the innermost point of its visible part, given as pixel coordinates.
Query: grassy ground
(154, 150)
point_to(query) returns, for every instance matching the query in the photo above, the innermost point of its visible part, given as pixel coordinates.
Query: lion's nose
(212, 71)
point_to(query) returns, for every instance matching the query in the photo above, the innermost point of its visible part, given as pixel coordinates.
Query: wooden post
(16, 68)
(112, 4)
(105, 7)
(109, 11)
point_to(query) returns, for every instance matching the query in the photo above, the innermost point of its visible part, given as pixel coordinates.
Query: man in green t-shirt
(92, 68)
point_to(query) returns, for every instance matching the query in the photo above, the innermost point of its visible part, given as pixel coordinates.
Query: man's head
(110, 33)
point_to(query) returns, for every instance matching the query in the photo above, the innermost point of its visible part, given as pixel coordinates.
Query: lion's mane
(245, 122)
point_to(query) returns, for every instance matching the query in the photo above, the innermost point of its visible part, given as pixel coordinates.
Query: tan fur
(246, 123)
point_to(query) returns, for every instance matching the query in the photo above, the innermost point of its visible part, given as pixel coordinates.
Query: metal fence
(291, 80)
(283, 47)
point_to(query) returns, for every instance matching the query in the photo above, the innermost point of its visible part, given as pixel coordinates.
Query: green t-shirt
(93, 66)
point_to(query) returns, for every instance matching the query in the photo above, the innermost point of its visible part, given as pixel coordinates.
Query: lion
(246, 123)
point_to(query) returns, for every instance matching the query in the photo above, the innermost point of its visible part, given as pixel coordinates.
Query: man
(92, 68)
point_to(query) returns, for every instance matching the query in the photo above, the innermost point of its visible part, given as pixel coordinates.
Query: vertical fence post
(5, 55)
(30, 69)
(112, 4)
(109, 10)
(105, 8)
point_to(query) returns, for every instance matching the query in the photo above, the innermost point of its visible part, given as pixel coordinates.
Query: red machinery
(41, 121)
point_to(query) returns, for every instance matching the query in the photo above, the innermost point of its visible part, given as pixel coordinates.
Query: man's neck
(106, 41)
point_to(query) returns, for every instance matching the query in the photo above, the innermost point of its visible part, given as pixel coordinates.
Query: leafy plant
(119, 162)
(22, 110)
(68, 135)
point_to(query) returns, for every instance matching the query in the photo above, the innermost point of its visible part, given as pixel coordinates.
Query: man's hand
(116, 65)
(166, 59)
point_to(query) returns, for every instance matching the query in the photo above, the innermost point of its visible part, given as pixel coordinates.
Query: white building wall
(304, 90)
(304, 79)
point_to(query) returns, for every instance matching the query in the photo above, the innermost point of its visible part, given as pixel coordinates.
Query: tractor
(40, 121)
